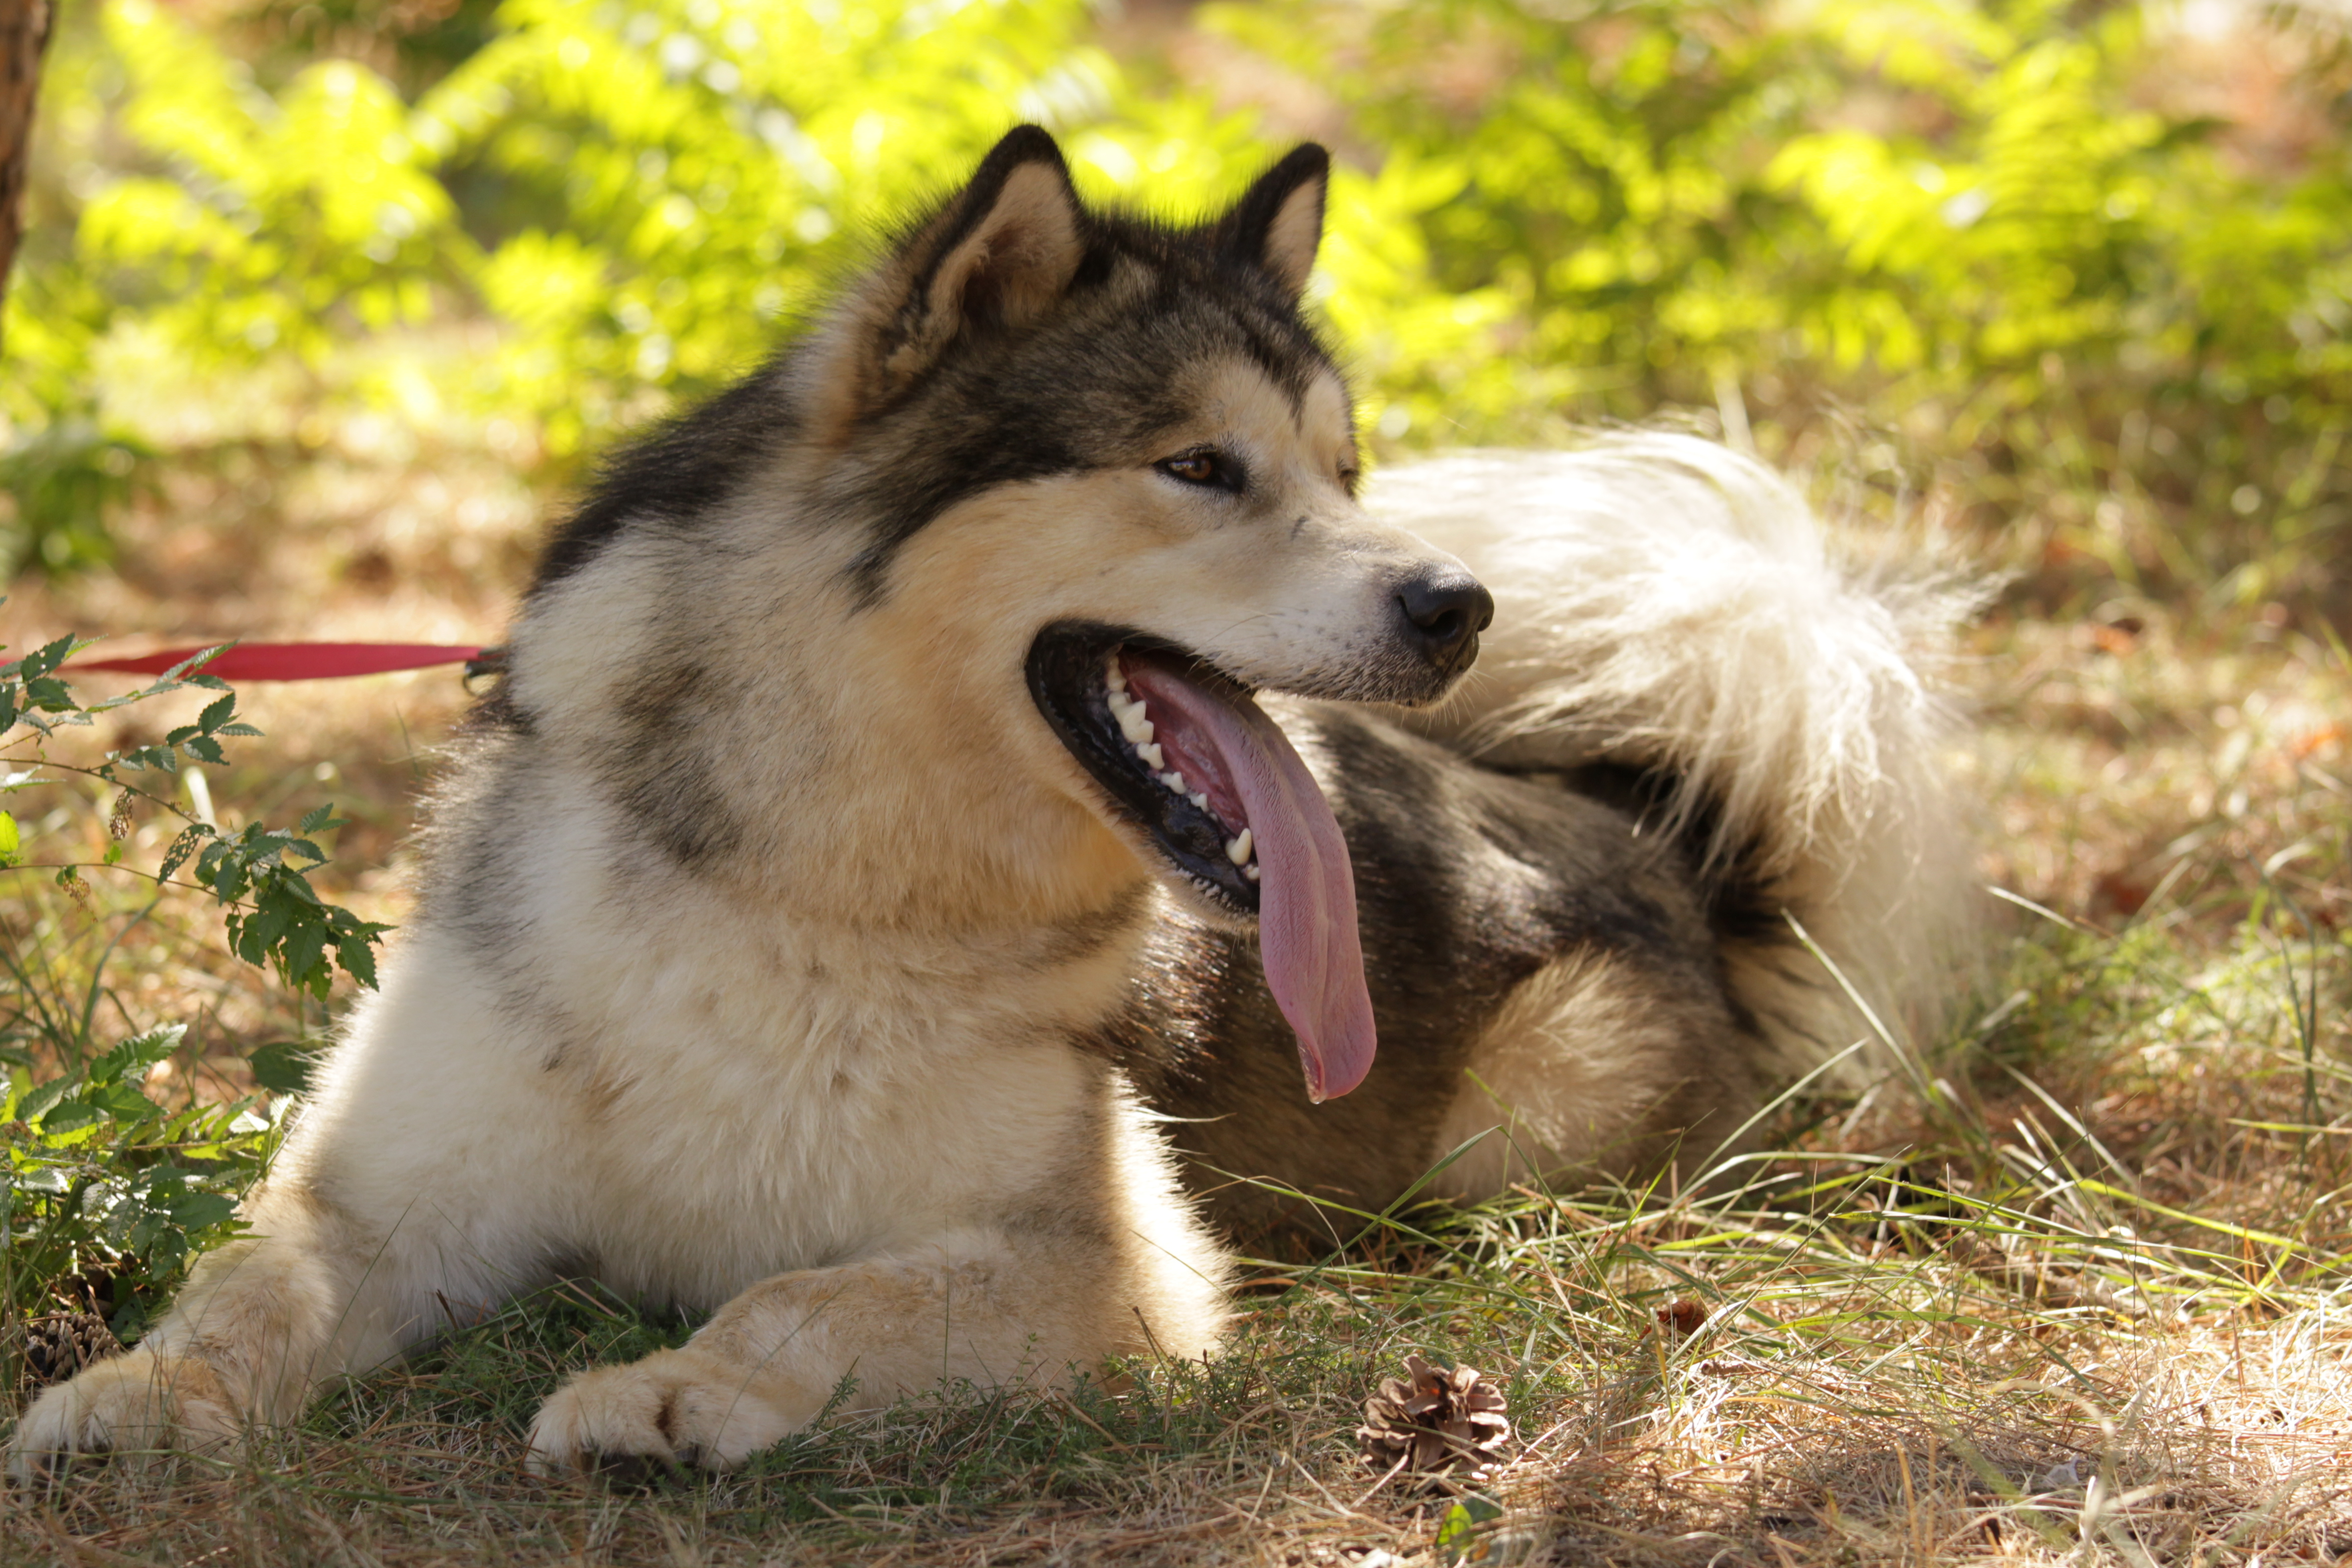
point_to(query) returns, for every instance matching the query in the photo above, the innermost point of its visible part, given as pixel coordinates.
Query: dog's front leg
(976, 1307)
(261, 1322)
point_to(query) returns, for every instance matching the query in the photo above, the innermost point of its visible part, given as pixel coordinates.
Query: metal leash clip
(486, 665)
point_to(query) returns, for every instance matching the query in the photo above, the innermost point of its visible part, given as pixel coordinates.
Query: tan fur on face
(919, 705)
(1282, 587)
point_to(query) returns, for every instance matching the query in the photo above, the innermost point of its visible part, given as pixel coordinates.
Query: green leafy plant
(66, 476)
(258, 875)
(1993, 225)
(1999, 229)
(108, 1193)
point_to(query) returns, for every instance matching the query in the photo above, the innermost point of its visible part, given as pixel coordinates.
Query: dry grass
(2078, 1300)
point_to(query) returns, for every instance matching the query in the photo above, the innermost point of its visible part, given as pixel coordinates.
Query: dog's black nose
(1446, 610)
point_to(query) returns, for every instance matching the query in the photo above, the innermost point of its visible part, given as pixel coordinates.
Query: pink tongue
(1307, 891)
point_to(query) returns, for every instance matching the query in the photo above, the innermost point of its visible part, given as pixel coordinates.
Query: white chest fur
(685, 1099)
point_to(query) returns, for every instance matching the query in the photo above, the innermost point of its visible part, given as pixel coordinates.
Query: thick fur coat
(878, 910)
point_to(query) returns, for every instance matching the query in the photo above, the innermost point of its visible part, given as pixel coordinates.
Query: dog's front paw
(137, 1402)
(673, 1408)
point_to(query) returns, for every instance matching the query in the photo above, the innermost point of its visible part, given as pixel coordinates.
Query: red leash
(307, 661)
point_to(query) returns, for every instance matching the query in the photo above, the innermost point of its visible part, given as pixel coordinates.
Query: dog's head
(1121, 441)
(1036, 507)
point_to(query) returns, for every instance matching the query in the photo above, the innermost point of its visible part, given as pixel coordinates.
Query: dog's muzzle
(1442, 614)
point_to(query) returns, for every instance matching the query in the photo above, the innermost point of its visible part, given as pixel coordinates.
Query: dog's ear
(997, 257)
(1278, 222)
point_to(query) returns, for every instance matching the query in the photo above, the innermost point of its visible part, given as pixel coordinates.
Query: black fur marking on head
(1091, 389)
(1020, 147)
(1248, 235)
(677, 472)
(1083, 388)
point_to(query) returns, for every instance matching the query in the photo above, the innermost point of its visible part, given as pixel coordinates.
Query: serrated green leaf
(202, 1211)
(304, 947)
(48, 656)
(122, 1103)
(49, 696)
(283, 1067)
(356, 953)
(66, 1116)
(217, 712)
(40, 1098)
(141, 1052)
(155, 1043)
(185, 670)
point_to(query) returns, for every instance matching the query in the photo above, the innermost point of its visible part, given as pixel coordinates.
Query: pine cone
(61, 1344)
(1434, 1420)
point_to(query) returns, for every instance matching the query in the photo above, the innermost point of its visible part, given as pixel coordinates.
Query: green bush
(1968, 221)
(97, 1181)
(1980, 225)
(112, 1192)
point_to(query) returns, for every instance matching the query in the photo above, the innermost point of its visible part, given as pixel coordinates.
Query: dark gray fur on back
(1468, 882)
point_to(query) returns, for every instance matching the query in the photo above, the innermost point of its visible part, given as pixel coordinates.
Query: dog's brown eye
(1205, 466)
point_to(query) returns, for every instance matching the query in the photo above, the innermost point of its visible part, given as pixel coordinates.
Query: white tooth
(1250, 870)
(1134, 725)
(1152, 757)
(1197, 798)
(1114, 677)
(1174, 781)
(1238, 851)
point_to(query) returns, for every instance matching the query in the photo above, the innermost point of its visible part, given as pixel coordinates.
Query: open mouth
(1214, 787)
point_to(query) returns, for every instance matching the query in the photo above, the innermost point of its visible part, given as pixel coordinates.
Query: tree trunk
(24, 37)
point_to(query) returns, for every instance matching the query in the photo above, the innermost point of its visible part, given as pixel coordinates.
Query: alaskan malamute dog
(947, 788)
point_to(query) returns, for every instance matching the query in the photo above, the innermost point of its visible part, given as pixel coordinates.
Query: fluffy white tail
(1666, 606)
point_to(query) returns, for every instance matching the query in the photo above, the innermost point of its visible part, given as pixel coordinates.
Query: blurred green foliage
(1991, 231)
(1978, 223)
(92, 1179)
